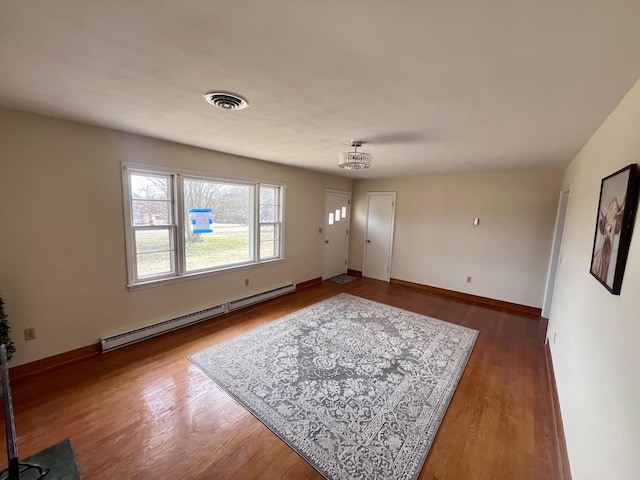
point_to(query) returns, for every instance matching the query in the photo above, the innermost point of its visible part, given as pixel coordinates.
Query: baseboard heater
(261, 297)
(137, 335)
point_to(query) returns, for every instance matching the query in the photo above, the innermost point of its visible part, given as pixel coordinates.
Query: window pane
(156, 240)
(225, 246)
(269, 241)
(268, 250)
(150, 187)
(147, 212)
(229, 243)
(268, 213)
(269, 232)
(152, 264)
(269, 199)
(268, 195)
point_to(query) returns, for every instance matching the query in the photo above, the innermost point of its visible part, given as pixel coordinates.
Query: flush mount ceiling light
(226, 100)
(355, 160)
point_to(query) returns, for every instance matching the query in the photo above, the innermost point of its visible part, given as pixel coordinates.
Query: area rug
(356, 387)
(60, 461)
(342, 279)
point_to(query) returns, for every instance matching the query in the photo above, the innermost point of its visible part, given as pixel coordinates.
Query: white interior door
(381, 208)
(336, 232)
(555, 253)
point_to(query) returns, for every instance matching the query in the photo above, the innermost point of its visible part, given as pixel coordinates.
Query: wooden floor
(145, 412)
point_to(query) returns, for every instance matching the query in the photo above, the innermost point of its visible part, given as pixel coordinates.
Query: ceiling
(430, 87)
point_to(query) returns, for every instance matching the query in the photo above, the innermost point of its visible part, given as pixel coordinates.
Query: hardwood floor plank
(146, 412)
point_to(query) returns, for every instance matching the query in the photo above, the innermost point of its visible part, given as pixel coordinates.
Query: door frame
(366, 231)
(555, 257)
(325, 222)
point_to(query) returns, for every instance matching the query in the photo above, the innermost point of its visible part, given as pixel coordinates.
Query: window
(229, 242)
(152, 225)
(270, 222)
(181, 224)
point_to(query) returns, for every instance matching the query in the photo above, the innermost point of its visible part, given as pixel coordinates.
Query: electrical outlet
(29, 334)
(246, 282)
(468, 279)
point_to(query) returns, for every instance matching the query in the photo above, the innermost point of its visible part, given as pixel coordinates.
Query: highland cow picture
(614, 225)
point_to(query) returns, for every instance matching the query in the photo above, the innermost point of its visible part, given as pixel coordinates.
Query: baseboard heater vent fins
(137, 335)
(261, 297)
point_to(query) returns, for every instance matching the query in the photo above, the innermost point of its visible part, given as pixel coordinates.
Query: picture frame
(614, 225)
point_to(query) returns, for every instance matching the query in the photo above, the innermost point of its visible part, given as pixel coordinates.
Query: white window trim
(258, 223)
(134, 283)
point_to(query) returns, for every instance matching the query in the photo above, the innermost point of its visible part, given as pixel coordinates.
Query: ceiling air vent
(226, 100)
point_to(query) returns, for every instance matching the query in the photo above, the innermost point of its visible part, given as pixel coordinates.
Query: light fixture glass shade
(355, 160)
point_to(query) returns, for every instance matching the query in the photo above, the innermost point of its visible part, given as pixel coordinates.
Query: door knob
(368, 241)
(326, 241)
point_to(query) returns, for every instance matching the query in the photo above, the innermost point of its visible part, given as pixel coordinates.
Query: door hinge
(347, 231)
(393, 204)
(345, 262)
(348, 202)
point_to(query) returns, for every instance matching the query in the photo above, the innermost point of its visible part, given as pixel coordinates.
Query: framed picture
(614, 225)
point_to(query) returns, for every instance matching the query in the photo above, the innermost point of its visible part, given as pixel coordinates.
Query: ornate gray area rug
(356, 387)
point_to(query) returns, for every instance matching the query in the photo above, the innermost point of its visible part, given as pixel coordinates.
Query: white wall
(62, 248)
(436, 244)
(596, 353)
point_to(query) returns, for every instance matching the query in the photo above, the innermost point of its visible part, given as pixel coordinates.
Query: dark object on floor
(60, 461)
(15, 467)
(342, 279)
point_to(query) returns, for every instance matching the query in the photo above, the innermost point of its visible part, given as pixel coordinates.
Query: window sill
(195, 276)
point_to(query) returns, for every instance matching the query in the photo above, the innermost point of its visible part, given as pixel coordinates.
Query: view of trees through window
(230, 240)
(269, 221)
(229, 206)
(152, 215)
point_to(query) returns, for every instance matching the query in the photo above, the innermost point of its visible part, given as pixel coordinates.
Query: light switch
(476, 221)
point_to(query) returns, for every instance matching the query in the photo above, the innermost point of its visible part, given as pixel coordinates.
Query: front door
(336, 232)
